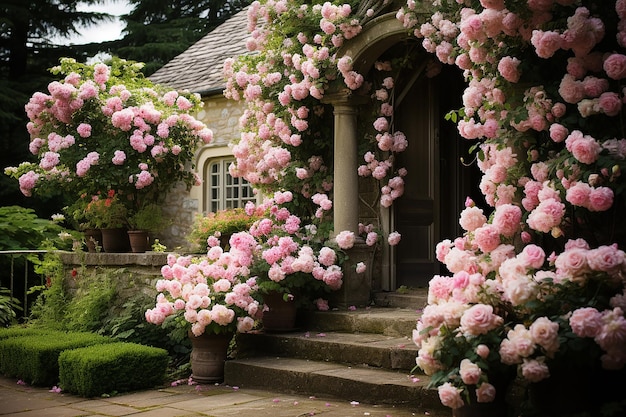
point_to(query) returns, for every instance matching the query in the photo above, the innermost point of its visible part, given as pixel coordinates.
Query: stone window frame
(221, 190)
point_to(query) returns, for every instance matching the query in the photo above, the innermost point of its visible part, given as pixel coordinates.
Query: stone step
(318, 378)
(369, 349)
(398, 322)
(415, 299)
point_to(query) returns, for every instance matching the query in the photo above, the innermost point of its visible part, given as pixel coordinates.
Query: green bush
(20, 228)
(9, 306)
(115, 367)
(17, 331)
(34, 358)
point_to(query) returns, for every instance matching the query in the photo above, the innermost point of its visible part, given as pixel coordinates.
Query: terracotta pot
(280, 315)
(115, 240)
(93, 238)
(139, 240)
(208, 354)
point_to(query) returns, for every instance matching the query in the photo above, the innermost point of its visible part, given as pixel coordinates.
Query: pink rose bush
(289, 256)
(209, 294)
(536, 281)
(286, 140)
(105, 127)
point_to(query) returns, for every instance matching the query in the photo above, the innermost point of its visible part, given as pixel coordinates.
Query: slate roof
(199, 68)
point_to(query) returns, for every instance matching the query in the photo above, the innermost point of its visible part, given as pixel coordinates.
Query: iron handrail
(13, 253)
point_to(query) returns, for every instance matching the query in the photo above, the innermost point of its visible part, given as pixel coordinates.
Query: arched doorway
(437, 183)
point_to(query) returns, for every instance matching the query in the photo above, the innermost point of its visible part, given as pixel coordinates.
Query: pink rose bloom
(586, 322)
(571, 90)
(470, 372)
(508, 69)
(371, 239)
(485, 393)
(49, 160)
(119, 158)
(394, 238)
(584, 148)
(479, 319)
(572, 262)
(606, 258)
(546, 43)
(361, 267)
(578, 194)
(546, 215)
(321, 304)
(439, 288)
(487, 238)
(482, 351)
(222, 315)
(600, 199)
(442, 249)
(545, 333)
(381, 124)
(615, 66)
(507, 219)
(472, 218)
(345, 239)
(610, 103)
(533, 256)
(84, 130)
(535, 370)
(327, 256)
(450, 396)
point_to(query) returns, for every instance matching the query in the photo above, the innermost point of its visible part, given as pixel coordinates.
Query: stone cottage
(437, 182)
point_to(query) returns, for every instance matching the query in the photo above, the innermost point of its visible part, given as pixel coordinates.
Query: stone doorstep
(397, 322)
(374, 350)
(350, 383)
(412, 299)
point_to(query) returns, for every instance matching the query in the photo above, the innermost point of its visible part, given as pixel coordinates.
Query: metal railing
(13, 285)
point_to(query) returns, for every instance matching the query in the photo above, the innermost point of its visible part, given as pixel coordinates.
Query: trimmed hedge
(17, 331)
(34, 358)
(101, 369)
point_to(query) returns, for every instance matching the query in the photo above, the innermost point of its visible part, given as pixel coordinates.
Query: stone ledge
(103, 259)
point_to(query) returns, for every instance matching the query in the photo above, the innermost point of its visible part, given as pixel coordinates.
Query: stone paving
(186, 401)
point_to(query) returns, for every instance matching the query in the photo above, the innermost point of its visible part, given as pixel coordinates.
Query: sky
(105, 31)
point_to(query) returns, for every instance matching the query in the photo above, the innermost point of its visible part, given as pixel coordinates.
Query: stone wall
(130, 272)
(222, 117)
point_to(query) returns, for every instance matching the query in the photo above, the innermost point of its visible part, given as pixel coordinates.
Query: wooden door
(437, 182)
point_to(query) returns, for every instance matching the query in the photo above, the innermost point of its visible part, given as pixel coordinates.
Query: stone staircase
(364, 355)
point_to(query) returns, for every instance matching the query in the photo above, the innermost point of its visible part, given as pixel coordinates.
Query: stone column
(356, 288)
(346, 179)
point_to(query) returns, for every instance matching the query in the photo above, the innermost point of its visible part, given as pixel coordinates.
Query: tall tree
(156, 31)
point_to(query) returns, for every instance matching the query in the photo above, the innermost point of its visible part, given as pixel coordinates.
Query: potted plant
(210, 298)
(81, 221)
(293, 264)
(109, 215)
(149, 219)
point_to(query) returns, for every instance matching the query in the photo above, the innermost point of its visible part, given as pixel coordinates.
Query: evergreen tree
(157, 31)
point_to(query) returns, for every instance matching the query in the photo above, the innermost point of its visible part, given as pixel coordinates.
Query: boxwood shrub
(19, 331)
(115, 367)
(34, 358)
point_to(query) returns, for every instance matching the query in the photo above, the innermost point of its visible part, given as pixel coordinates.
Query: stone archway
(429, 211)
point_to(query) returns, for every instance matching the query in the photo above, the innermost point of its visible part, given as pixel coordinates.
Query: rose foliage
(106, 127)
(538, 279)
(287, 137)
(219, 291)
